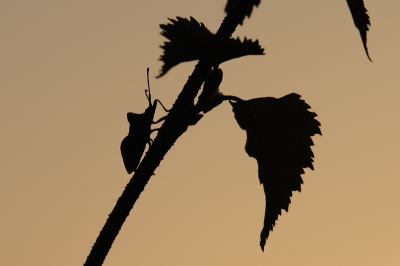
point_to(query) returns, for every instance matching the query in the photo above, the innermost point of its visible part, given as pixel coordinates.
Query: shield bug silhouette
(133, 145)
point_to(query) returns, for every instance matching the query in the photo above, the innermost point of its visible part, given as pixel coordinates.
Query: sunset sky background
(71, 70)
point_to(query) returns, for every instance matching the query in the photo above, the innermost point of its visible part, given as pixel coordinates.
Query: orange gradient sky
(71, 70)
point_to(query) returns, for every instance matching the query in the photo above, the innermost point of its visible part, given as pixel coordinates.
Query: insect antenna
(148, 92)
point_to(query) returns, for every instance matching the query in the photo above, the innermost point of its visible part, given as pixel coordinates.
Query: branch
(174, 126)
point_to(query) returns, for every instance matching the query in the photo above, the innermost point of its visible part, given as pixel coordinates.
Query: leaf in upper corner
(188, 40)
(279, 135)
(191, 40)
(361, 20)
(230, 3)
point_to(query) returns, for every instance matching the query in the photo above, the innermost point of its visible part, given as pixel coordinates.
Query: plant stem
(174, 126)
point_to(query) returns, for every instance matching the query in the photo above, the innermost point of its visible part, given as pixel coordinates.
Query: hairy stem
(174, 126)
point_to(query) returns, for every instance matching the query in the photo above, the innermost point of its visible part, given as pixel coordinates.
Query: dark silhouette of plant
(278, 131)
(357, 9)
(190, 40)
(254, 3)
(361, 20)
(279, 137)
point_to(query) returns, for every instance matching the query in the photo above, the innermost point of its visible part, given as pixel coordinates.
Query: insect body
(133, 145)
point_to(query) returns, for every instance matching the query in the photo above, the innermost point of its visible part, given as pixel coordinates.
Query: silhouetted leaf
(361, 20)
(230, 3)
(279, 137)
(190, 40)
(234, 48)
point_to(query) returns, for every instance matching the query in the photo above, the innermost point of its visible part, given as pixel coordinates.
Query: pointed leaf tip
(361, 20)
